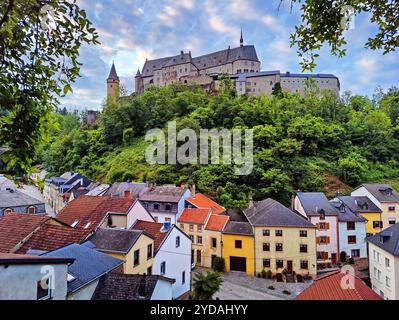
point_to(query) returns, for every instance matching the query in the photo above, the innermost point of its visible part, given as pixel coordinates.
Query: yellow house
(238, 247)
(213, 238)
(135, 247)
(284, 241)
(365, 207)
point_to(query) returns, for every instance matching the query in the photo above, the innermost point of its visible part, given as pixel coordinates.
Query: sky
(133, 30)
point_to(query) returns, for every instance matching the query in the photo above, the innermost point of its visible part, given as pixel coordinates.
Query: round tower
(113, 84)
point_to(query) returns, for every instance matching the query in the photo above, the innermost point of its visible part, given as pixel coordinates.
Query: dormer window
(31, 210)
(75, 223)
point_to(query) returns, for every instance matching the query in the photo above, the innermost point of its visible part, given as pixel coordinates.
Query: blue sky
(133, 30)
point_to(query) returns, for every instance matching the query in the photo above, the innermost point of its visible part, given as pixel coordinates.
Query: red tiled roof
(154, 229)
(329, 287)
(202, 201)
(92, 210)
(194, 215)
(50, 237)
(216, 222)
(15, 227)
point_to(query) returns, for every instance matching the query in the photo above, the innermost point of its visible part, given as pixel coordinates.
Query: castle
(241, 64)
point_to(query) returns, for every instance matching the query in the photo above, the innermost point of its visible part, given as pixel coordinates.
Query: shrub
(264, 274)
(218, 264)
(269, 274)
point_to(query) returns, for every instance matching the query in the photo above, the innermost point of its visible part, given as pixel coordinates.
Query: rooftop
(217, 222)
(201, 201)
(382, 192)
(388, 240)
(171, 194)
(236, 227)
(118, 189)
(345, 214)
(154, 229)
(315, 203)
(14, 198)
(359, 204)
(197, 216)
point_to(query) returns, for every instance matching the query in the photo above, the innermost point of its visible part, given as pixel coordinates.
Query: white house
(384, 262)
(172, 254)
(29, 277)
(320, 212)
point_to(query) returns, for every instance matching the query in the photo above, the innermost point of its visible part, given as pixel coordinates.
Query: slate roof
(217, 222)
(116, 240)
(154, 229)
(88, 266)
(112, 74)
(236, 227)
(201, 201)
(345, 214)
(194, 215)
(117, 286)
(118, 189)
(163, 194)
(15, 227)
(359, 204)
(379, 192)
(391, 241)
(272, 213)
(98, 190)
(329, 287)
(93, 210)
(11, 258)
(15, 198)
(314, 202)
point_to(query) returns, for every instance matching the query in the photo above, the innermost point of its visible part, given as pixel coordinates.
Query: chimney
(165, 227)
(182, 52)
(193, 190)
(127, 194)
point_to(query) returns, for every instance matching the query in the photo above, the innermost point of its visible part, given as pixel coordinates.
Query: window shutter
(318, 225)
(327, 240)
(327, 225)
(318, 240)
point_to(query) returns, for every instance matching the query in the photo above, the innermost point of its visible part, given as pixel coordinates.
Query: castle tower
(241, 40)
(139, 86)
(113, 84)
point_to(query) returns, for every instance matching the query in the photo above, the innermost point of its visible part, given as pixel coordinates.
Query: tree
(206, 285)
(352, 168)
(39, 50)
(277, 90)
(325, 22)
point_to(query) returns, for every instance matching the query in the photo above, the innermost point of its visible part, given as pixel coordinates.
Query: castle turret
(139, 86)
(113, 84)
(241, 40)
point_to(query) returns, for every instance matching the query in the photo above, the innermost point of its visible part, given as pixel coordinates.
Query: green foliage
(206, 285)
(38, 63)
(352, 168)
(218, 264)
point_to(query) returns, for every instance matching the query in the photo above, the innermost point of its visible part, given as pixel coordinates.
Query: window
(199, 239)
(183, 277)
(214, 242)
(199, 228)
(391, 208)
(279, 264)
(31, 210)
(149, 271)
(75, 223)
(388, 282)
(149, 251)
(168, 220)
(136, 260)
(266, 263)
(377, 224)
(304, 264)
(322, 255)
(391, 221)
(387, 263)
(266, 247)
(168, 207)
(156, 219)
(156, 207)
(324, 240)
(191, 227)
(303, 248)
(177, 241)
(163, 268)
(355, 253)
(266, 232)
(279, 247)
(191, 237)
(351, 239)
(238, 244)
(182, 226)
(323, 226)
(44, 289)
(303, 233)
(8, 210)
(350, 225)
(279, 233)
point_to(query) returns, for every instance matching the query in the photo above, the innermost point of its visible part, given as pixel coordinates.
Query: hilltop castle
(241, 64)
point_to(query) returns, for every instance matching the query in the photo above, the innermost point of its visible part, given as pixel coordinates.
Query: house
(29, 277)
(362, 205)
(122, 189)
(93, 212)
(200, 201)
(384, 197)
(352, 232)
(329, 287)
(12, 200)
(57, 190)
(284, 240)
(116, 286)
(384, 262)
(23, 233)
(172, 255)
(134, 247)
(6, 183)
(321, 213)
(165, 203)
(238, 247)
(88, 268)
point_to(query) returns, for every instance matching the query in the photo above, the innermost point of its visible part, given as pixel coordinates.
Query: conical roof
(112, 74)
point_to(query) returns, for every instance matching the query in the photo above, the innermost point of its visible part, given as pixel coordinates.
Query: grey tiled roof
(315, 202)
(118, 189)
(236, 227)
(115, 240)
(359, 204)
(15, 198)
(379, 191)
(345, 214)
(112, 74)
(89, 264)
(272, 213)
(163, 194)
(390, 243)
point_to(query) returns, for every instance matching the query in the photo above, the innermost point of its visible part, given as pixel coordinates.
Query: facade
(385, 198)
(384, 262)
(12, 200)
(284, 240)
(321, 213)
(29, 277)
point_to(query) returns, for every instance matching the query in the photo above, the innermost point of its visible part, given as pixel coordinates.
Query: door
(199, 256)
(238, 264)
(289, 266)
(334, 258)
